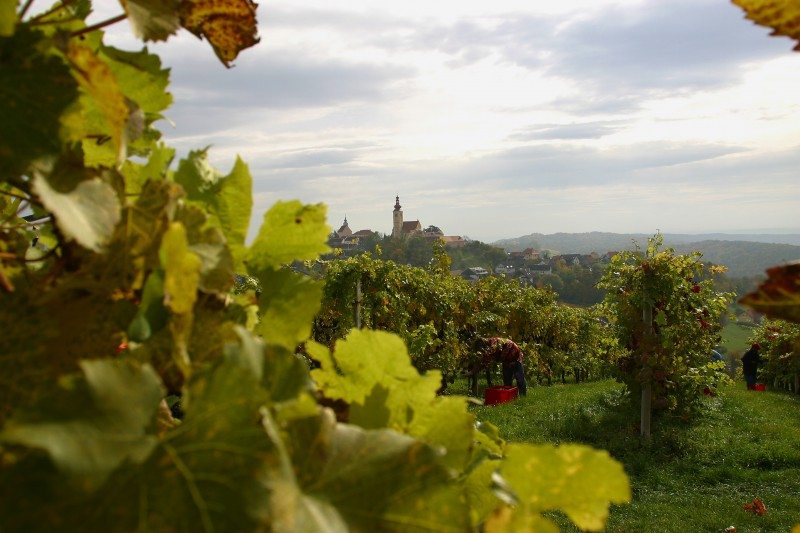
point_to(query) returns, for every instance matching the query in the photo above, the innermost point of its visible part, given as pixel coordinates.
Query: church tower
(397, 216)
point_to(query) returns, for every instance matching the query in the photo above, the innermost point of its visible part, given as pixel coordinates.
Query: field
(734, 338)
(692, 476)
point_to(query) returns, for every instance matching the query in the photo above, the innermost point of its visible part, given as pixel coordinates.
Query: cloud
(685, 44)
(585, 130)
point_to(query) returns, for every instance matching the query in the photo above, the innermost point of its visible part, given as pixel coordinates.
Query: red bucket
(499, 394)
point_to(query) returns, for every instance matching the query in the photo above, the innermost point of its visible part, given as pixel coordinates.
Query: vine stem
(99, 25)
(55, 9)
(25, 9)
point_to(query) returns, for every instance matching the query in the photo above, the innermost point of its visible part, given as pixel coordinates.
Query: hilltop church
(413, 228)
(348, 241)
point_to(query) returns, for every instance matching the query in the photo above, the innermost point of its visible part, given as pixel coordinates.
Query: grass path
(693, 476)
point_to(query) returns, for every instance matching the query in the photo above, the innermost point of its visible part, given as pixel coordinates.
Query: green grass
(734, 338)
(691, 476)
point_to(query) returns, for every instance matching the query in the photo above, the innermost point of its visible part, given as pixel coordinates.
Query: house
(346, 240)
(505, 269)
(454, 241)
(474, 273)
(541, 268)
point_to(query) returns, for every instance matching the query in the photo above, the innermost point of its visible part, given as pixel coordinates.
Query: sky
(498, 119)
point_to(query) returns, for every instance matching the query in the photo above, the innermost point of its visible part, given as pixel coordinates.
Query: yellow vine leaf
(783, 16)
(229, 25)
(182, 268)
(95, 77)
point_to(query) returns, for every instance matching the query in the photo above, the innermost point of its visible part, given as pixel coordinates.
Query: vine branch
(99, 25)
(25, 9)
(54, 9)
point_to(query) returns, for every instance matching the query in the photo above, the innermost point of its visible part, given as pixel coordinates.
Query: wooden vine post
(358, 304)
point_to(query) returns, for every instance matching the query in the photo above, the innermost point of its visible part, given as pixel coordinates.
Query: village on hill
(527, 265)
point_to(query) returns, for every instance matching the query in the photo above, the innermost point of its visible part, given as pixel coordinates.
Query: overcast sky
(502, 118)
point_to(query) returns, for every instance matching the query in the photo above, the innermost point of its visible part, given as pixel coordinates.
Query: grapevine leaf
(182, 270)
(98, 81)
(95, 421)
(290, 231)
(368, 358)
(205, 474)
(575, 479)
(156, 168)
(87, 214)
(477, 490)
(152, 20)
(140, 77)
(287, 377)
(152, 316)
(209, 245)
(372, 371)
(335, 477)
(229, 25)
(35, 91)
(783, 16)
(445, 422)
(287, 306)
(227, 198)
(8, 18)
(779, 295)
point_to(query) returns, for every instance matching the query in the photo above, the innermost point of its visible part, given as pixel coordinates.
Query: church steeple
(345, 230)
(397, 219)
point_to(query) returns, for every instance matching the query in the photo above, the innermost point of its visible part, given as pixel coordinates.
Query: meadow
(693, 475)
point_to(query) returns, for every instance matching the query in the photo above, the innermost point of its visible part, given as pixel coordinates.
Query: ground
(694, 476)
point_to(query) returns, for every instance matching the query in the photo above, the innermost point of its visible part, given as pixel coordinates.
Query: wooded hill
(744, 255)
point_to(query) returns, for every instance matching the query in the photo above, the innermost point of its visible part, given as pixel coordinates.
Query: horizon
(615, 114)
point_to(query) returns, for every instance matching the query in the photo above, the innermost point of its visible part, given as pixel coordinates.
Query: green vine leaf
(8, 18)
(36, 90)
(229, 25)
(105, 95)
(153, 20)
(290, 232)
(207, 473)
(94, 422)
(287, 307)
(228, 199)
(335, 477)
(372, 371)
(575, 479)
(87, 214)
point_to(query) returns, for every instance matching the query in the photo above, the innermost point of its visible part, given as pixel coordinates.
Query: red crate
(760, 387)
(499, 394)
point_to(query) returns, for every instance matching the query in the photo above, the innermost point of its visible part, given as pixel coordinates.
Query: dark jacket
(750, 361)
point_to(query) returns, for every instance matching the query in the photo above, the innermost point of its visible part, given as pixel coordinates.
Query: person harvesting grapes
(750, 361)
(510, 355)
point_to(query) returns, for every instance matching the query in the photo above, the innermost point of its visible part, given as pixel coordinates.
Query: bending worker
(510, 355)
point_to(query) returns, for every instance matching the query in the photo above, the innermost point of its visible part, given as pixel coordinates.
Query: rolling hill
(744, 255)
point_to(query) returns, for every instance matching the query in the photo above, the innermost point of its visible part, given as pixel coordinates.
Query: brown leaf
(779, 295)
(229, 25)
(783, 16)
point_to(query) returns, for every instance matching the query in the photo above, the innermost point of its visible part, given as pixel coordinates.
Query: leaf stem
(54, 9)
(99, 25)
